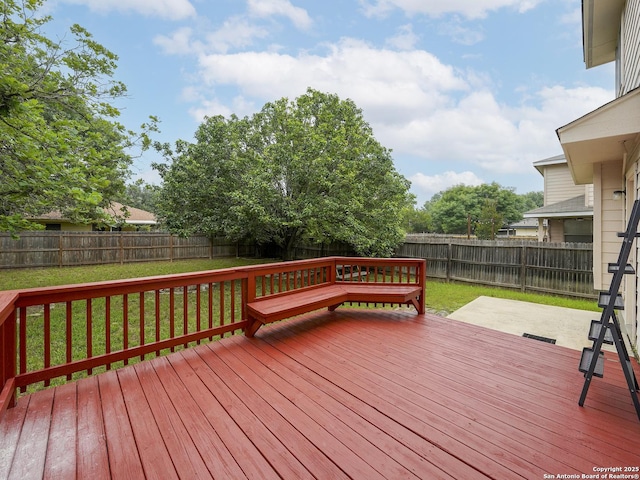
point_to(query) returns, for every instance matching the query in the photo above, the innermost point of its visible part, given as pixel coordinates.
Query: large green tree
(302, 170)
(453, 210)
(60, 146)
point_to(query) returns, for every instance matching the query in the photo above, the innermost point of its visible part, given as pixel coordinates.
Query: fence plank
(557, 268)
(564, 269)
(56, 249)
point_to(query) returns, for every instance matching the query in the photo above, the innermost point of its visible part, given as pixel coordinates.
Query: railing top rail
(285, 266)
(43, 295)
(63, 293)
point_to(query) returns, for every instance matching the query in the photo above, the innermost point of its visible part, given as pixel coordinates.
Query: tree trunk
(289, 247)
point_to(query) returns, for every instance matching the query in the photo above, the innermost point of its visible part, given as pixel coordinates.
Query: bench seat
(288, 304)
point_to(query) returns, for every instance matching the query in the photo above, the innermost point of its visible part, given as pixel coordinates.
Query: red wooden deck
(345, 394)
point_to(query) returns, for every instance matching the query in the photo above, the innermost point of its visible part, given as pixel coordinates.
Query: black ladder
(607, 329)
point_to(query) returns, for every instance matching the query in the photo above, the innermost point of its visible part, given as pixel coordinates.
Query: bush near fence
(563, 268)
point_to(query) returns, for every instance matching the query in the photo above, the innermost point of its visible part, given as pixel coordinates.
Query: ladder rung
(585, 362)
(624, 234)
(605, 297)
(628, 269)
(594, 332)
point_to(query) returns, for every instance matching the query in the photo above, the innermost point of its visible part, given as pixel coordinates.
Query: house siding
(629, 48)
(558, 184)
(608, 221)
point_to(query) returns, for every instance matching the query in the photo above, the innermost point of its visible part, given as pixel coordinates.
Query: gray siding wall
(629, 54)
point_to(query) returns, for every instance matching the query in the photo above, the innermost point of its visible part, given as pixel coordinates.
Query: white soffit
(600, 28)
(602, 135)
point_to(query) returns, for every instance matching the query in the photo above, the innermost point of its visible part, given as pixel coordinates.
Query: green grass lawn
(47, 277)
(442, 297)
(448, 297)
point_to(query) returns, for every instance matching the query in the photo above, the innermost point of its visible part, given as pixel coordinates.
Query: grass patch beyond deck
(448, 297)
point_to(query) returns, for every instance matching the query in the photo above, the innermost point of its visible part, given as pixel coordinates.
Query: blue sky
(462, 91)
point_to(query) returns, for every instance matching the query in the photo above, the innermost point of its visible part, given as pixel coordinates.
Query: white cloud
(235, 32)
(240, 106)
(459, 33)
(267, 8)
(496, 137)
(434, 8)
(417, 105)
(178, 43)
(391, 85)
(405, 39)
(427, 185)
(170, 9)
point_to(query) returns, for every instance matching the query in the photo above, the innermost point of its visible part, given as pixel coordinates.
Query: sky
(462, 91)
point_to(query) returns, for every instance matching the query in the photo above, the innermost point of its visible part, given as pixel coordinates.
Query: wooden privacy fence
(63, 249)
(563, 268)
(556, 268)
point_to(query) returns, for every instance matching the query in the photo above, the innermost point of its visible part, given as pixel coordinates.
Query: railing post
(422, 268)
(8, 352)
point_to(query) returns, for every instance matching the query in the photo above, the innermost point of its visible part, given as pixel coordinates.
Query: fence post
(60, 251)
(171, 247)
(121, 246)
(449, 255)
(523, 268)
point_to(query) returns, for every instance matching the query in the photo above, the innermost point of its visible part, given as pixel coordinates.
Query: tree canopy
(302, 170)
(485, 207)
(60, 148)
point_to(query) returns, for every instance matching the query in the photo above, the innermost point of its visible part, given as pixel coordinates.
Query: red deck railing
(61, 333)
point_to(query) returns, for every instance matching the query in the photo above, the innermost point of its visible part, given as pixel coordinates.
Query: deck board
(61, 447)
(92, 457)
(346, 394)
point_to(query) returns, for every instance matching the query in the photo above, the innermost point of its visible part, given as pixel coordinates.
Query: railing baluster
(23, 343)
(222, 311)
(125, 324)
(233, 301)
(210, 310)
(198, 316)
(89, 318)
(107, 327)
(185, 312)
(172, 315)
(157, 318)
(142, 321)
(47, 339)
(69, 334)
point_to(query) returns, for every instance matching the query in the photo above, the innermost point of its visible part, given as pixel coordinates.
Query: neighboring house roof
(135, 216)
(525, 223)
(574, 207)
(556, 160)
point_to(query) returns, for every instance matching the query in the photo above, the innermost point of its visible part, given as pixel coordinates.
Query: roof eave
(600, 29)
(603, 135)
(576, 214)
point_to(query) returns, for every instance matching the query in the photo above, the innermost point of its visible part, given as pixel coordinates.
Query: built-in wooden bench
(379, 281)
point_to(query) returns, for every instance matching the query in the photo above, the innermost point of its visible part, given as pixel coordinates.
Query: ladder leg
(627, 368)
